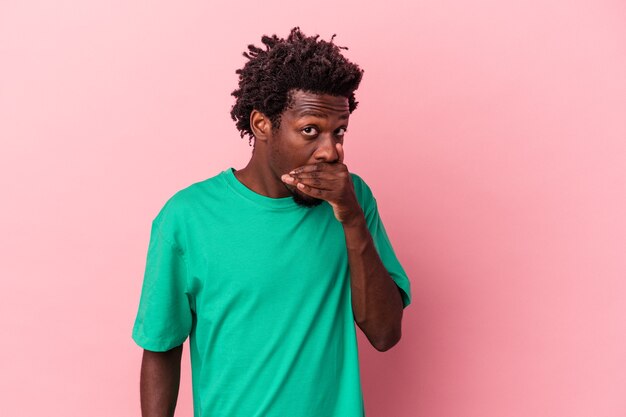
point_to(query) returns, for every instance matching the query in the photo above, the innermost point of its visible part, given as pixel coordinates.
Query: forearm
(160, 380)
(376, 299)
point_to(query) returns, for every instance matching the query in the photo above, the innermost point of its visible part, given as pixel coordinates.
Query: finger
(313, 192)
(340, 152)
(320, 169)
(311, 180)
(316, 183)
(315, 174)
(309, 168)
(288, 179)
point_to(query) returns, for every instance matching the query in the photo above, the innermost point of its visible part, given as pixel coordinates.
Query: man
(268, 268)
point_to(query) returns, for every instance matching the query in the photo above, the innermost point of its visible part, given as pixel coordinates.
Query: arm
(376, 299)
(160, 380)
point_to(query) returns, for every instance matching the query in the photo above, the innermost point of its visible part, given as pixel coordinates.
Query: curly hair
(297, 63)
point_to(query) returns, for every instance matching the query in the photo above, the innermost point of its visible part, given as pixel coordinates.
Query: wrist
(355, 220)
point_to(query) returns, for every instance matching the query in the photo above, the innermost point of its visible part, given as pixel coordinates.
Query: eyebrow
(321, 115)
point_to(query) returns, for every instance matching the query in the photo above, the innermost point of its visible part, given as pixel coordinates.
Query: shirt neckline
(281, 203)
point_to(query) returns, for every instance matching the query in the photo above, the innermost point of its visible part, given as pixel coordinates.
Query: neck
(259, 177)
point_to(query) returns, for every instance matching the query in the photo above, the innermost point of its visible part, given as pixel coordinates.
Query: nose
(327, 151)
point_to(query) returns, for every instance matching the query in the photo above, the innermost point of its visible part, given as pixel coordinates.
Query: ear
(260, 124)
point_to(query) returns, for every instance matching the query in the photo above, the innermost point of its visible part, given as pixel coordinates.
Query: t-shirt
(261, 287)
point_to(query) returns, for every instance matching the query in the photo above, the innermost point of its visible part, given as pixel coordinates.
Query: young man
(266, 269)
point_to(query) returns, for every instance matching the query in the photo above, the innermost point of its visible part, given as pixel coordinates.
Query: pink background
(492, 133)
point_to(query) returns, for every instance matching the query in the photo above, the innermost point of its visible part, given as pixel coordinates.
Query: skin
(302, 158)
(159, 382)
(293, 144)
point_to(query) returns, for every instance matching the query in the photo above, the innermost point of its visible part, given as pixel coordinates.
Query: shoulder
(363, 191)
(183, 203)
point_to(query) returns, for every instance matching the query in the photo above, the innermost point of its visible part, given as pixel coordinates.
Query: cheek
(295, 151)
(290, 150)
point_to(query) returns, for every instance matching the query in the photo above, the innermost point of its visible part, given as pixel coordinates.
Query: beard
(302, 200)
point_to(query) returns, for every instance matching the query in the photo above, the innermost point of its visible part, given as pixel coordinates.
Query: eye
(310, 131)
(341, 131)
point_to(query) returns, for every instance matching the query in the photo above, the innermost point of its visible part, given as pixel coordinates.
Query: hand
(330, 182)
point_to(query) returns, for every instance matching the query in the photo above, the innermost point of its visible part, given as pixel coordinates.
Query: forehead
(321, 105)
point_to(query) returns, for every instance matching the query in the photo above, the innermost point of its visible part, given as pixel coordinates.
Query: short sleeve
(164, 317)
(381, 240)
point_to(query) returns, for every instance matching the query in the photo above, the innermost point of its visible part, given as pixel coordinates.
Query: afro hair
(297, 63)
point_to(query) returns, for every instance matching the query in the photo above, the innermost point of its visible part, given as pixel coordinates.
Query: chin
(304, 200)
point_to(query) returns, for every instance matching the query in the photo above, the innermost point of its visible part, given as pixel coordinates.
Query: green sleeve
(164, 317)
(381, 240)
